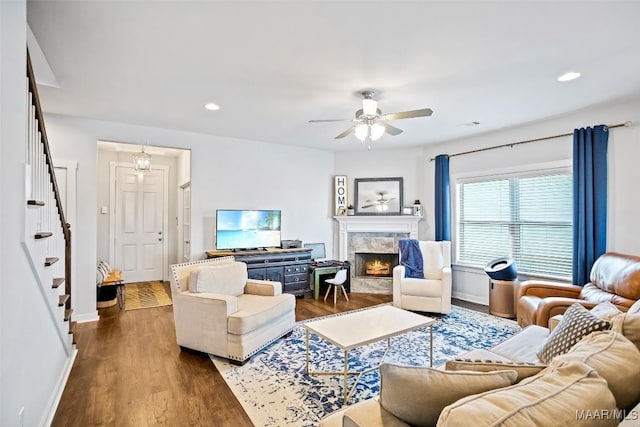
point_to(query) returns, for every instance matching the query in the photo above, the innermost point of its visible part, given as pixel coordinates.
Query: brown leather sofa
(614, 277)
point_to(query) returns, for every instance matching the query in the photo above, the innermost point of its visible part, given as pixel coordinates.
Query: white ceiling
(273, 66)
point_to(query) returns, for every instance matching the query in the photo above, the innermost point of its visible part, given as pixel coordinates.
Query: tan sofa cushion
(615, 358)
(576, 323)
(226, 278)
(256, 311)
(629, 326)
(523, 369)
(605, 311)
(417, 395)
(551, 398)
(369, 413)
(523, 346)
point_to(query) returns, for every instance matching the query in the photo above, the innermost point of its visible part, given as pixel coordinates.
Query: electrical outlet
(21, 417)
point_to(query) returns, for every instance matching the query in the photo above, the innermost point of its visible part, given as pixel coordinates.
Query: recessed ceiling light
(572, 75)
(211, 106)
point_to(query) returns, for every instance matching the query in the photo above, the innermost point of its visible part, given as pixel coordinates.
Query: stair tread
(35, 203)
(67, 314)
(50, 261)
(57, 281)
(43, 234)
(62, 300)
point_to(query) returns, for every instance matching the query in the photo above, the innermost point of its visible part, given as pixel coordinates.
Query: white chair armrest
(398, 275)
(229, 302)
(263, 287)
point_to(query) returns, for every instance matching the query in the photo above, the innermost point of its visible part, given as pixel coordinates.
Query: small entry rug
(145, 295)
(275, 390)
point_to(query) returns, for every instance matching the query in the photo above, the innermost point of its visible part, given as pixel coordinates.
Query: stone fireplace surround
(373, 234)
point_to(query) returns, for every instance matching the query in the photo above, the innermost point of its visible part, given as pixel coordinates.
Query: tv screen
(247, 229)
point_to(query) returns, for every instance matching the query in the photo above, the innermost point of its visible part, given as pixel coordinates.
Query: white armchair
(218, 310)
(431, 293)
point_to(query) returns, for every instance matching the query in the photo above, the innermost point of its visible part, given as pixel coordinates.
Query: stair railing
(51, 222)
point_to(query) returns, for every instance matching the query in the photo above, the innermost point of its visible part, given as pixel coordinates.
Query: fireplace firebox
(369, 264)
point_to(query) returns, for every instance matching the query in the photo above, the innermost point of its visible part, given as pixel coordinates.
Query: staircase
(47, 235)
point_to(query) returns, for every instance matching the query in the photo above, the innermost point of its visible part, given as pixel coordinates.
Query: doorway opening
(141, 213)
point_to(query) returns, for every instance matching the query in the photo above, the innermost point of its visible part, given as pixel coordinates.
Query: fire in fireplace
(370, 264)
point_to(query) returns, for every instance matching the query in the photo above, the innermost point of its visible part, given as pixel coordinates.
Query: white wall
(33, 361)
(406, 163)
(624, 174)
(225, 173)
(104, 159)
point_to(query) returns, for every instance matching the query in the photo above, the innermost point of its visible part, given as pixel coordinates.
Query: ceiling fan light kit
(370, 124)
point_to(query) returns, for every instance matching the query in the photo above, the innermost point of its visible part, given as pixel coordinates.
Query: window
(526, 216)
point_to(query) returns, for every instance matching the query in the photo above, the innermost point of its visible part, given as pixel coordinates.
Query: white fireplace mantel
(373, 224)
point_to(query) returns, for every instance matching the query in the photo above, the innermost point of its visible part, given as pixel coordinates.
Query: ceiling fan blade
(425, 112)
(391, 130)
(346, 132)
(367, 206)
(330, 120)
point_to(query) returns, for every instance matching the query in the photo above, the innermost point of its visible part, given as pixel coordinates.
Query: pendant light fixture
(142, 161)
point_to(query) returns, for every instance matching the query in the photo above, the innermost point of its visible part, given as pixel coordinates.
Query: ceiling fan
(380, 204)
(370, 123)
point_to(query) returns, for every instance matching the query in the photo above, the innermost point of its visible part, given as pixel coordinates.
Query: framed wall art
(378, 196)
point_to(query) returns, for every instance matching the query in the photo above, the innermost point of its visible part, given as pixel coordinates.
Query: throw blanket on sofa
(411, 258)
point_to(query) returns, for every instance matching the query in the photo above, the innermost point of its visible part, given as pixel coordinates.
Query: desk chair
(337, 281)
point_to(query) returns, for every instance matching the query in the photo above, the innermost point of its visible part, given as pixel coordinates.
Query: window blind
(526, 216)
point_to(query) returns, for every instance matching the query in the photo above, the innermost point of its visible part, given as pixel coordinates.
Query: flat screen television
(247, 229)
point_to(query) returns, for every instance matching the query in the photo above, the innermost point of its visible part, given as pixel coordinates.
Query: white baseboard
(469, 297)
(53, 407)
(87, 317)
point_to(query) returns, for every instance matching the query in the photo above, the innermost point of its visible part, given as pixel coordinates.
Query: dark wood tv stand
(288, 266)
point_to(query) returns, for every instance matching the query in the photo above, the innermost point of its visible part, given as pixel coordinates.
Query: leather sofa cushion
(592, 293)
(617, 274)
(550, 398)
(226, 278)
(257, 311)
(417, 395)
(615, 358)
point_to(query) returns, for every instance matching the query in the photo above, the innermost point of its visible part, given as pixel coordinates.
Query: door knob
(160, 239)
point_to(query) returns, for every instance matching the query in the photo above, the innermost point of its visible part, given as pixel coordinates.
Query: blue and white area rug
(275, 390)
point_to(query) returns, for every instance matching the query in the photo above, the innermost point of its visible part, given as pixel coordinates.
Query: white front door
(140, 241)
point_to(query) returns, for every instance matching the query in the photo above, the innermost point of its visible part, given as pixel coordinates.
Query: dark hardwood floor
(130, 372)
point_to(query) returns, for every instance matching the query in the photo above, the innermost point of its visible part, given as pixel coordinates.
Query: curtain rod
(625, 124)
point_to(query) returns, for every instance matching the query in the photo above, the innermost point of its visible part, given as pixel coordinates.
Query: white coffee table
(364, 327)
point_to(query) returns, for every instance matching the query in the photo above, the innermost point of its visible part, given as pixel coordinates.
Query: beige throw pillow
(417, 395)
(628, 325)
(561, 395)
(615, 358)
(605, 311)
(523, 369)
(576, 323)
